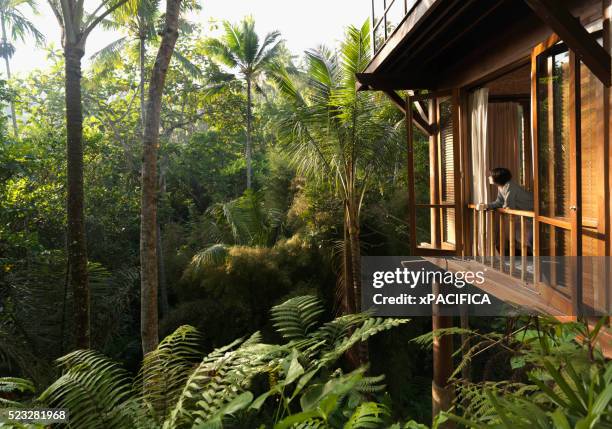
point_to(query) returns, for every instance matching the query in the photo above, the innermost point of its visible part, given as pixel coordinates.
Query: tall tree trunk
(248, 144)
(161, 272)
(353, 234)
(348, 295)
(148, 225)
(77, 248)
(161, 265)
(141, 84)
(8, 76)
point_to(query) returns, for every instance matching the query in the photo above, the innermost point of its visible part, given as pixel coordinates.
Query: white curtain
(480, 157)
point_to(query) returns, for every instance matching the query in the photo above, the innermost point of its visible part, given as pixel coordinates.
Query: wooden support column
(434, 179)
(576, 184)
(442, 393)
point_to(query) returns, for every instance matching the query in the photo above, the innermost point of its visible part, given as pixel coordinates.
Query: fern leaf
(297, 317)
(368, 415)
(93, 388)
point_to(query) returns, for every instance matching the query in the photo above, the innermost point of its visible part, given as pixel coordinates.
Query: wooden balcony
(500, 243)
(389, 15)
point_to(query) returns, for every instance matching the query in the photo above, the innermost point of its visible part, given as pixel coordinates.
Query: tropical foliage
(545, 377)
(242, 384)
(341, 137)
(240, 49)
(325, 185)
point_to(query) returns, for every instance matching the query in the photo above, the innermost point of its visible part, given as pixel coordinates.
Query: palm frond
(268, 50)
(111, 53)
(20, 27)
(212, 256)
(221, 52)
(191, 68)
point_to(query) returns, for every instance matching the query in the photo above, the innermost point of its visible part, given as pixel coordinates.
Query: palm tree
(13, 21)
(77, 24)
(340, 137)
(239, 49)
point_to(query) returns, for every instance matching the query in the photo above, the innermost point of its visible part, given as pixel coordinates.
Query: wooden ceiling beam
(396, 99)
(419, 121)
(392, 82)
(556, 15)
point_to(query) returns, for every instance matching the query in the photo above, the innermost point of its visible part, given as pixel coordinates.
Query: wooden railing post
(490, 236)
(502, 242)
(474, 233)
(523, 249)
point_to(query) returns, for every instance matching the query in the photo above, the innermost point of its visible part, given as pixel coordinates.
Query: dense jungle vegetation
(180, 246)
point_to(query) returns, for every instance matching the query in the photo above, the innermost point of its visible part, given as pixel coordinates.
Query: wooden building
(523, 84)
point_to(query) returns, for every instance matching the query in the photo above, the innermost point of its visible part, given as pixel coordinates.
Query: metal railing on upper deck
(387, 15)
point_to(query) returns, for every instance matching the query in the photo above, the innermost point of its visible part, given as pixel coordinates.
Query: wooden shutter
(447, 170)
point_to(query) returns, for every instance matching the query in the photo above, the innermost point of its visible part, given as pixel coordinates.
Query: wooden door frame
(435, 180)
(574, 223)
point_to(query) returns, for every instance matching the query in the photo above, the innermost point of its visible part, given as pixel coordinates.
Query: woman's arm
(498, 203)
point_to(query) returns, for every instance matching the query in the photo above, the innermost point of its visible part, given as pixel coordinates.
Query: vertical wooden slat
(434, 191)
(502, 241)
(523, 249)
(475, 234)
(491, 236)
(483, 232)
(511, 236)
(456, 112)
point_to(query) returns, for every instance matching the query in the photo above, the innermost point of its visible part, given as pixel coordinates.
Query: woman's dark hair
(501, 175)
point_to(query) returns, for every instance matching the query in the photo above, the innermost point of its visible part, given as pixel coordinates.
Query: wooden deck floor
(520, 293)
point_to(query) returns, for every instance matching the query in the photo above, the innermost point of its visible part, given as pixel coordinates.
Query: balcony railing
(387, 15)
(503, 239)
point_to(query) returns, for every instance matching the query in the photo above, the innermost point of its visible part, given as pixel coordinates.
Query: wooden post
(457, 165)
(441, 393)
(576, 184)
(434, 180)
(475, 232)
(511, 237)
(536, 175)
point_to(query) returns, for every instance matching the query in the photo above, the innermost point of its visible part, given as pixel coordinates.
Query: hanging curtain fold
(479, 101)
